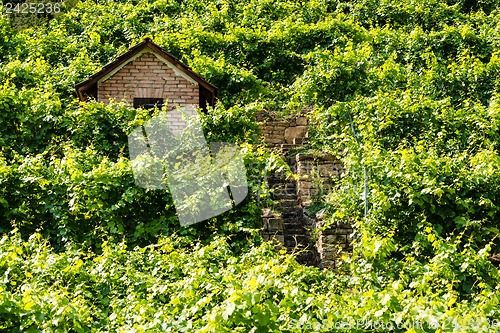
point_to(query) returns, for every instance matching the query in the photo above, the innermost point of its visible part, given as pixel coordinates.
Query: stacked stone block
(286, 221)
(332, 241)
(316, 173)
(283, 131)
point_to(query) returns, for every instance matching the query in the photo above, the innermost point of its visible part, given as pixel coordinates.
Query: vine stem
(365, 172)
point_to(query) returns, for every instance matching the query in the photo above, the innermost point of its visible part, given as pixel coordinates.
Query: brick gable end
(148, 77)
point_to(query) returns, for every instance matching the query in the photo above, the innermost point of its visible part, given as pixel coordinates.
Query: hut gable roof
(88, 88)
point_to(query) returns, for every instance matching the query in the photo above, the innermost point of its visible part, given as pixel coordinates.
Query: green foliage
(175, 285)
(406, 91)
(414, 104)
(81, 188)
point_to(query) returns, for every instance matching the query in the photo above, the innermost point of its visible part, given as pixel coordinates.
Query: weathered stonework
(316, 173)
(280, 131)
(287, 222)
(331, 241)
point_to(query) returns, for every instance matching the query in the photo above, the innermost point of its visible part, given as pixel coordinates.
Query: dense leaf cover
(177, 286)
(404, 91)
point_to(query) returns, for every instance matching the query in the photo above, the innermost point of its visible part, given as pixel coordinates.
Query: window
(148, 103)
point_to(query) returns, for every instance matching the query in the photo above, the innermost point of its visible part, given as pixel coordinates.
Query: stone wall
(331, 241)
(316, 174)
(286, 222)
(279, 131)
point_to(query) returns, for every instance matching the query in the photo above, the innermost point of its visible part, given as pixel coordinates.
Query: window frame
(148, 103)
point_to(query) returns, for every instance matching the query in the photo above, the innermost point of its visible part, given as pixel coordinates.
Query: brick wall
(149, 77)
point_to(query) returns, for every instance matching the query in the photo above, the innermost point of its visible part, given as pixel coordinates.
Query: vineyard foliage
(404, 92)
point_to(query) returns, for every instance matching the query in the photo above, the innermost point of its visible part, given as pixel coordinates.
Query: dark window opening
(148, 103)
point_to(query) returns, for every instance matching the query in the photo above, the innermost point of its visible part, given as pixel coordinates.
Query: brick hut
(145, 76)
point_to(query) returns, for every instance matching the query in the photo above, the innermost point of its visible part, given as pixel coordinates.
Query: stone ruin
(288, 221)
